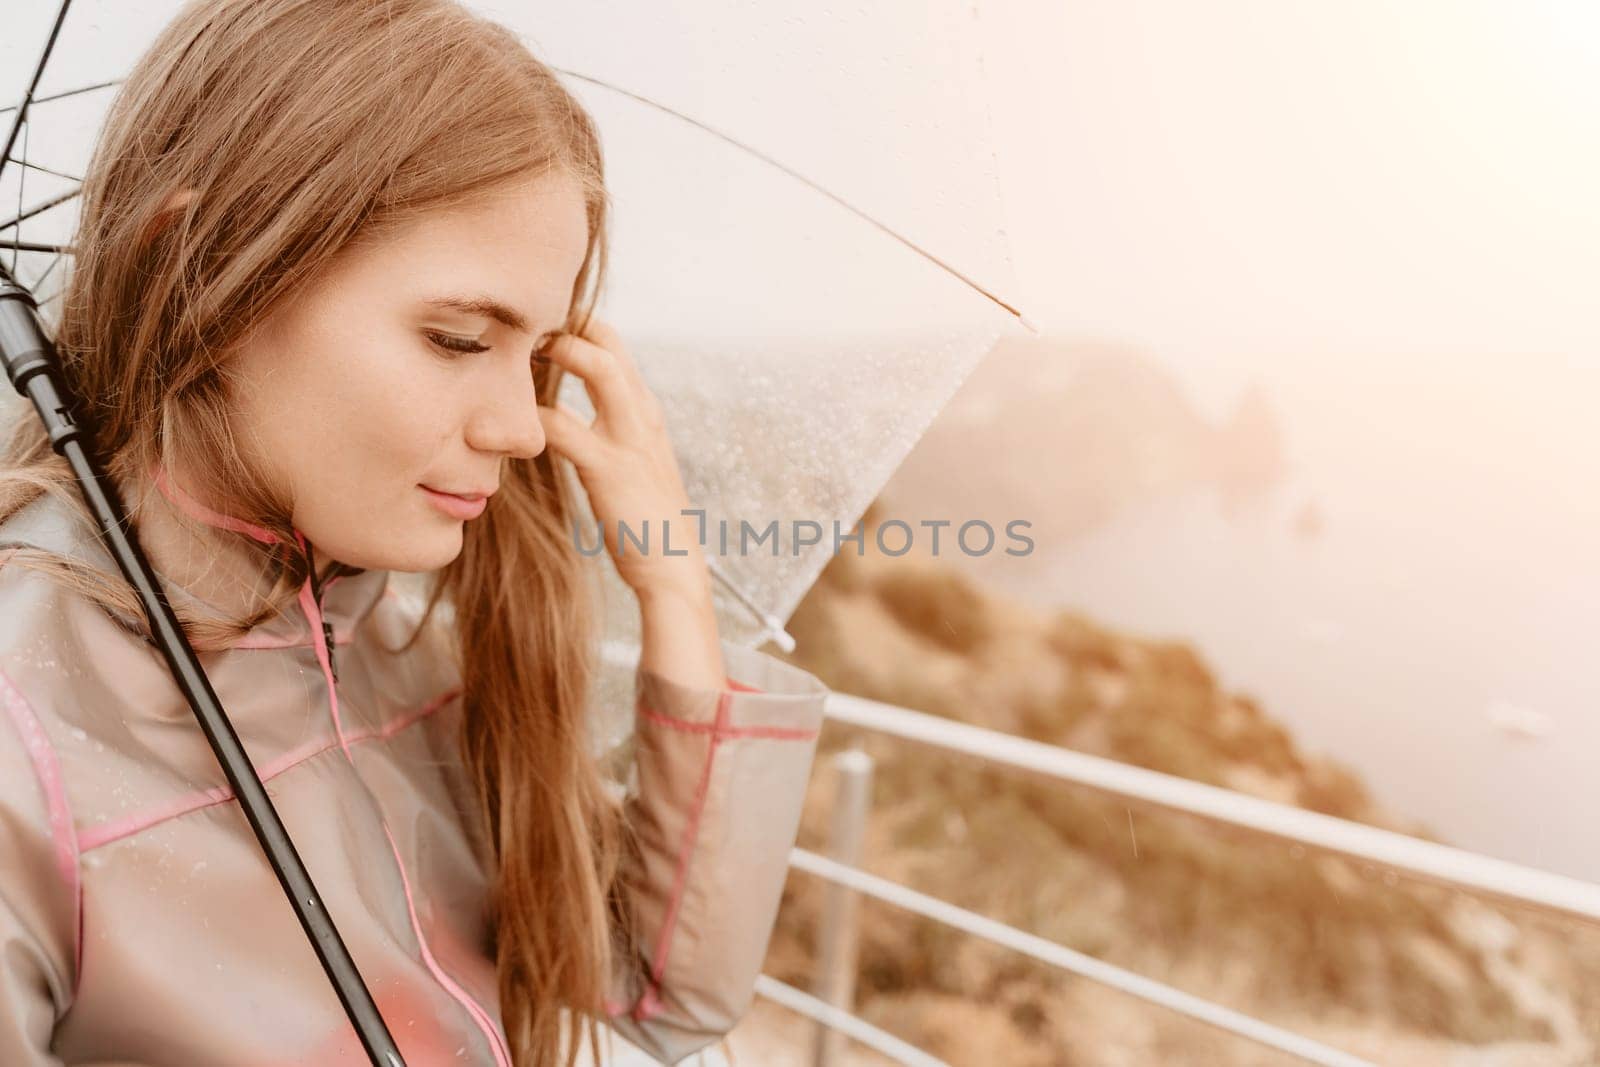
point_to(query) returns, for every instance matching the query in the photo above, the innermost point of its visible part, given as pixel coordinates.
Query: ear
(169, 210)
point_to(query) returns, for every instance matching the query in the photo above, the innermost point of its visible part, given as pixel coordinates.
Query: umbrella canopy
(808, 253)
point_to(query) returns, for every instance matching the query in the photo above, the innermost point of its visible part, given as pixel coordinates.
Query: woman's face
(405, 371)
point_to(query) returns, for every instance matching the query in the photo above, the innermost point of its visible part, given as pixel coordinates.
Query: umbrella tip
(774, 631)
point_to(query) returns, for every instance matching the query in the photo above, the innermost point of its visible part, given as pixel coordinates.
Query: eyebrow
(485, 307)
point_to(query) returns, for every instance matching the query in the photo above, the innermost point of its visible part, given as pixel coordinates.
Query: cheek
(356, 493)
(351, 403)
(350, 426)
(385, 429)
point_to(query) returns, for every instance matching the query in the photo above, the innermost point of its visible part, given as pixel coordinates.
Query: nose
(506, 419)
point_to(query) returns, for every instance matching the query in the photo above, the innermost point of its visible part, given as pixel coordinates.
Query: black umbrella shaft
(31, 364)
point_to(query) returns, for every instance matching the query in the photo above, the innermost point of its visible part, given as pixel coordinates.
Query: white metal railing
(837, 947)
(834, 1018)
(1395, 852)
(1047, 951)
(1441, 864)
(1425, 860)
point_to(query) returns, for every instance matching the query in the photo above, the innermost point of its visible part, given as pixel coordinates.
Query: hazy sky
(1244, 182)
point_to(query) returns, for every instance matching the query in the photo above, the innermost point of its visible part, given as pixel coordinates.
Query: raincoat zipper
(317, 589)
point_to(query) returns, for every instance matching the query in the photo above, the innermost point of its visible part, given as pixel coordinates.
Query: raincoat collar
(344, 599)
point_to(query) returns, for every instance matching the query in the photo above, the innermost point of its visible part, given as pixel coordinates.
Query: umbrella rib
(22, 182)
(35, 246)
(771, 626)
(21, 109)
(39, 209)
(797, 176)
(64, 94)
(54, 263)
(28, 164)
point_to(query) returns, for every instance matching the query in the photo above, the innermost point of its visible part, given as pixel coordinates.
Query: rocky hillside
(1376, 964)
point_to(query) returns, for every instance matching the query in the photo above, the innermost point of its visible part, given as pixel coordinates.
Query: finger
(606, 336)
(611, 387)
(567, 433)
(603, 334)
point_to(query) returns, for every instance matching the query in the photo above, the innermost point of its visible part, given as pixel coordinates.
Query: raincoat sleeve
(37, 891)
(721, 777)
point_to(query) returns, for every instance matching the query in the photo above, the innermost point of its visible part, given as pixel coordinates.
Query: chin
(414, 555)
(429, 555)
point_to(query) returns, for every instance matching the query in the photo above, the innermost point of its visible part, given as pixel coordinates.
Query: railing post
(836, 949)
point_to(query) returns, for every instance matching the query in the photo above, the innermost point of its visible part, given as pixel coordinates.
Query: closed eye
(451, 343)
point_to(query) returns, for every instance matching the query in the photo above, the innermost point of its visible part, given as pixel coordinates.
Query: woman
(333, 260)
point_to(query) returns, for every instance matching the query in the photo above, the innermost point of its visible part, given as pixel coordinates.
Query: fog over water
(1401, 568)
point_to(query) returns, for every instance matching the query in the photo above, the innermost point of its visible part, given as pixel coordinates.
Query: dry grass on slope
(1379, 965)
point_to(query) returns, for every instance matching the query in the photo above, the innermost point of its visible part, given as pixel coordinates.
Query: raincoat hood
(141, 924)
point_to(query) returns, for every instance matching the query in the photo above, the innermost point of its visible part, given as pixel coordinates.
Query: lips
(457, 505)
(475, 494)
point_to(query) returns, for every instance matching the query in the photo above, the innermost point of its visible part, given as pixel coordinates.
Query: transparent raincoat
(141, 925)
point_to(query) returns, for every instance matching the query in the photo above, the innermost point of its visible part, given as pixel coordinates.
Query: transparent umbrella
(808, 251)
(807, 248)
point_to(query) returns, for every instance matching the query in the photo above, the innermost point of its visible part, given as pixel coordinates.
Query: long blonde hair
(304, 125)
